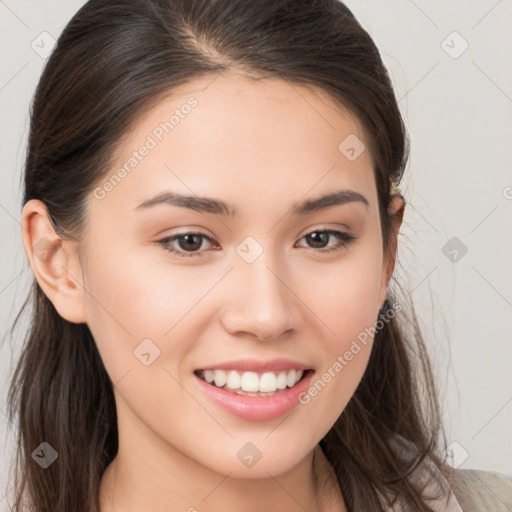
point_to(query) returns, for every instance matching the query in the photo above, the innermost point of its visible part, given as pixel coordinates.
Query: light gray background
(458, 184)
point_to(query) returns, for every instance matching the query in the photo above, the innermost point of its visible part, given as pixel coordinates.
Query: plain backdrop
(450, 62)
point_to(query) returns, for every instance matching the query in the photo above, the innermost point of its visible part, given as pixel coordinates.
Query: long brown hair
(112, 62)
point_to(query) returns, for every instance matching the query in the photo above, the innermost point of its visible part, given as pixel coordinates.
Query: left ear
(396, 210)
(54, 262)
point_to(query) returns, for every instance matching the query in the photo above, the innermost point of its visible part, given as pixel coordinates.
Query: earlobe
(54, 262)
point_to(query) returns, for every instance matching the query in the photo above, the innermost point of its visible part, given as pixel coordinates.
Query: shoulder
(478, 490)
(461, 490)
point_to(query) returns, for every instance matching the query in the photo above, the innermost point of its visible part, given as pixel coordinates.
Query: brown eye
(319, 238)
(188, 244)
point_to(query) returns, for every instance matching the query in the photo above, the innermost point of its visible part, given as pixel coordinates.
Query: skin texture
(260, 146)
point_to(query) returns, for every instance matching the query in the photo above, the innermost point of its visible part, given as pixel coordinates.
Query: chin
(260, 459)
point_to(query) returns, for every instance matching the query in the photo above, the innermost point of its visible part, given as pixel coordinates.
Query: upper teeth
(252, 381)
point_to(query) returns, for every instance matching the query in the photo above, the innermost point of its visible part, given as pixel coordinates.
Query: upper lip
(253, 365)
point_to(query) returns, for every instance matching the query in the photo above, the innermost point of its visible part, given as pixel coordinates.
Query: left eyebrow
(218, 207)
(326, 201)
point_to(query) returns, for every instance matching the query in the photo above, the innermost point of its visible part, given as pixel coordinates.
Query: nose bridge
(261, 303)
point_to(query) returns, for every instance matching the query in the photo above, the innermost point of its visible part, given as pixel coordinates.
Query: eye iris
(318, 237)
(195, 246)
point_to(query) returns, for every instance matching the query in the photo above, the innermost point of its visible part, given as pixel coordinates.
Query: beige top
(465, 490)
(479, 491)
(468, 490)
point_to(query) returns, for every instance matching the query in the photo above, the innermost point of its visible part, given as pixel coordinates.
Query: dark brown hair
(112, 62)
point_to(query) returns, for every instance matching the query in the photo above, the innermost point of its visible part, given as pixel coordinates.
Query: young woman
(211, 214)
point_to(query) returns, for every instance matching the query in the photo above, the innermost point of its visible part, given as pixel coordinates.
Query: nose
(260, 302)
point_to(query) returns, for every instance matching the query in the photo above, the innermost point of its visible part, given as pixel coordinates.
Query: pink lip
(252, 365)
(253, 407)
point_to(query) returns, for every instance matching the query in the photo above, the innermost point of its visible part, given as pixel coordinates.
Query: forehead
(233, 137)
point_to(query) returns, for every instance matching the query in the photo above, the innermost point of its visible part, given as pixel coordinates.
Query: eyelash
(344, 240)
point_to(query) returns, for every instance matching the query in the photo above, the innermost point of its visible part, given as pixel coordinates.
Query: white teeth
(253, 382)
(250, 381)
(220, 378)
(209, 376)
(281, 380)
(290, 378)
(234, 380)
(268, 382)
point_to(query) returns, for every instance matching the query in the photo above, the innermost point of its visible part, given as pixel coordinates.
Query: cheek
(127, 302)
(134, 297)
(346, 301)
(344, 294)
(127, 288)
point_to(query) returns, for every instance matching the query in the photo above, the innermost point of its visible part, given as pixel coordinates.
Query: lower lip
(253, 407)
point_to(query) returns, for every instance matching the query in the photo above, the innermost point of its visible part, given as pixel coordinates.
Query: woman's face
(259, 288)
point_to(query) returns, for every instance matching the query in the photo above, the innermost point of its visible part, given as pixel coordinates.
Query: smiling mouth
(252, 383)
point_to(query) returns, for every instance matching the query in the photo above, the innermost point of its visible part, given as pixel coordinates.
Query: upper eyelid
(344, 230)
(319, 227)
